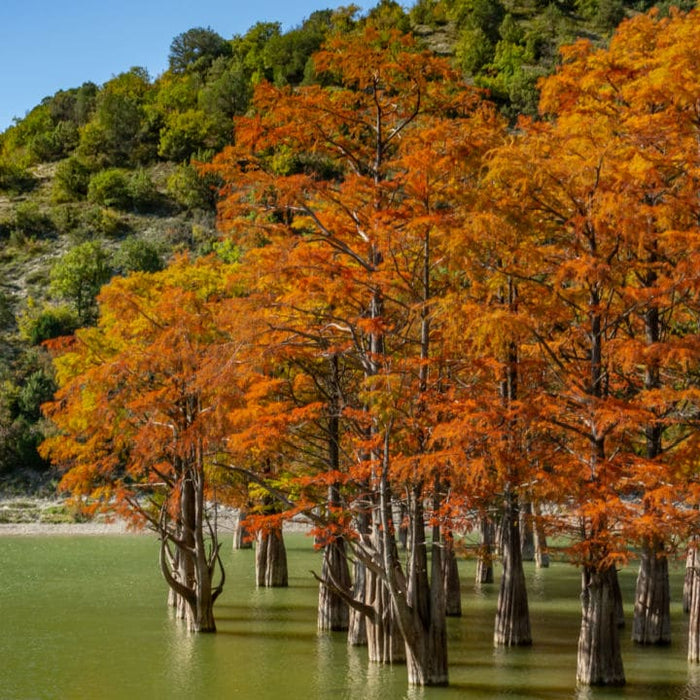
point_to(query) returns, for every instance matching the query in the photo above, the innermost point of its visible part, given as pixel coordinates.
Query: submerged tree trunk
(652, 602)
(541, 551)
(599, 656)
(398, 510)
(271, 560)
(423, 619)
(527, 535)
(384, 641)
(333, 610)
(512, 626)
(691, 562)
(453, 592)
(357, 626)
(241, 536)
(175, 600)
(619, 603)
(189, 569)
(484, 562)
(694, 619)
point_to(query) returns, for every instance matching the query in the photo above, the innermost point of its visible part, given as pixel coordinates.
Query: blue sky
(51, 45)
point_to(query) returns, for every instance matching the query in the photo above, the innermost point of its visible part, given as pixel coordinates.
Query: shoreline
(53, 529)
(34, 526)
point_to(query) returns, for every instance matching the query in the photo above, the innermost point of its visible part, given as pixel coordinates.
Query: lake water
(84, 617)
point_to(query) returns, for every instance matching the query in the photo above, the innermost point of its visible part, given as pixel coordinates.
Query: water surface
(84, 617)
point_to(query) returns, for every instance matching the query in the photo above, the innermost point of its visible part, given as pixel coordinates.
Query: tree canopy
(417, 319)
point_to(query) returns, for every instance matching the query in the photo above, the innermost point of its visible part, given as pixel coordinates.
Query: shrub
(100, 221)
(54, 144)
(47, 323)
(78, 276)
(14, 179)
(137, 255)
(29, 221)
(190, 190)
(110, 188)
(474, 50)
(36, 389)
(71, 181)
(142, 192)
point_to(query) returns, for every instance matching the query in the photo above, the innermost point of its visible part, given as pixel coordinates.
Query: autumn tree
(610, 230)
(356, 176)
(136, 415)
(487, 422)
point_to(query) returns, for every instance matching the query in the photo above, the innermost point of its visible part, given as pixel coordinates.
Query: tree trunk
(512, 626)
(399, 515)
(174, 599)
(541, 551)
(426, 642)
(205, 559)
(599, 655)
(617, 596)
(484, 562)
(691, 562)
(453, 592)
(185, 560)
(271, 560)
(185, 575)
(333, 611)
(652, 602)
(190, 569)
(241, 536)
(357, 626)
(527, 535)
(422, 617)
(202, 615)
(694, 619)
(384, 641)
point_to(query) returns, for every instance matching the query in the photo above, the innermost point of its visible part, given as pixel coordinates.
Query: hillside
(100, 180)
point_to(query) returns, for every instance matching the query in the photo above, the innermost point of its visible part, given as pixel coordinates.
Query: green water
(84, 617)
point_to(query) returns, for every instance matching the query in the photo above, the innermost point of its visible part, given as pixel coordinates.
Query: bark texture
(241, 536)
(422, 619)
(512, 626)
(599, 656)
(271, 560)
(357, 626)
(694, 620)
(541, 551)
(691, 562)
(453, 592)
(333, 610)
(652, 601)
(527, 534)
(384, 640)
(189, 570)
(619, 603)
(484, 562)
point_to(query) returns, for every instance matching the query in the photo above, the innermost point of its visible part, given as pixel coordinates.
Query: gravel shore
(32, 518)
(46, 529)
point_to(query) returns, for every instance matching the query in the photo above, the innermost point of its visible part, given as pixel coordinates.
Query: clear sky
(51, 45)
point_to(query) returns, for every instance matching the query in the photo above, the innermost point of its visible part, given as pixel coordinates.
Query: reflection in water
(692, 691)
(415, 694)
(584, 693)
(181, 654)
(537, 583)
